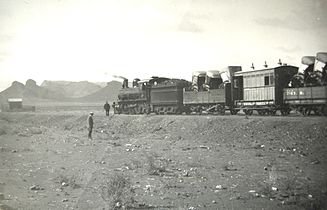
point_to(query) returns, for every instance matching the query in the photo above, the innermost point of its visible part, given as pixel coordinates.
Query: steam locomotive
(264, 91)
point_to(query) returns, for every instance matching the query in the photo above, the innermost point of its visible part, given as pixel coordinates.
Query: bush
(118, 191)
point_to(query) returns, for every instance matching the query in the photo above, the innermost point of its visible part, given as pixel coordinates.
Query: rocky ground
(162, 162)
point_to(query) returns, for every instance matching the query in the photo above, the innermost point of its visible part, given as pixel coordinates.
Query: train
(266, 91)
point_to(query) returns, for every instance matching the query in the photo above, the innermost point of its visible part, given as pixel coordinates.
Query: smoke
(119, 77)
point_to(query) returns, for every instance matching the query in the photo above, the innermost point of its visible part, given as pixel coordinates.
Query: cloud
(271, 22)
(307, 15)
(289, 50)
(293, 22)
(5, 42)
(3, 55)
(193, 22)
(187, 25)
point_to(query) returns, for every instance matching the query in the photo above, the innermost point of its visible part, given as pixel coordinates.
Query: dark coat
(106, 106)
(90, 121)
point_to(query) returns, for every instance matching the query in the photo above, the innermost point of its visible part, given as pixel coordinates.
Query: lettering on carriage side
(291, 93)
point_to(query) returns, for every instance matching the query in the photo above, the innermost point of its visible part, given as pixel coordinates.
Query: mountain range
(82, 91)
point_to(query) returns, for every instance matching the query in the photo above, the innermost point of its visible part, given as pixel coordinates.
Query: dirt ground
(162, 162)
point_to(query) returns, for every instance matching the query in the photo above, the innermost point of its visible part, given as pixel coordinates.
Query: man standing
(90, 124)
(107, 108)
(114, 107)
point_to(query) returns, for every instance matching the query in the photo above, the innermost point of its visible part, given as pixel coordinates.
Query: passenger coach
(262, 90)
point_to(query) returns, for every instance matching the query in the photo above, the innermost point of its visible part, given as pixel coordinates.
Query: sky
(92, 40)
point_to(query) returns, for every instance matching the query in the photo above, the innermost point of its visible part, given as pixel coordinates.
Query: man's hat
(91, 113)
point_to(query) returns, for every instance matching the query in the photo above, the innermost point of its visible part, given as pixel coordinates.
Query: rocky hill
(72, 89)
(83, 91)
(29, 92)
(108, 93)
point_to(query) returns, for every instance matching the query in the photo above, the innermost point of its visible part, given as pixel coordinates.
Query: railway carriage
(309, 93)
(265, 91)
(262, 90)
(307, 99)
(214, 93)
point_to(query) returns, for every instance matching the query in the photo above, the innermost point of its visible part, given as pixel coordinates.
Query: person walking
(90, 125)
(107, 108)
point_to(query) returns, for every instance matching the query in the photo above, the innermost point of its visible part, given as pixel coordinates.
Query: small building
(15, 103)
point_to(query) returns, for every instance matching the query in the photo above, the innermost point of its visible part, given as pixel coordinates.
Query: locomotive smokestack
(265, 65)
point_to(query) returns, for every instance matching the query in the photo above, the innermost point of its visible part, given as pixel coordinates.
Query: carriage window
(235, 83)
(266, 80)
(272, 81)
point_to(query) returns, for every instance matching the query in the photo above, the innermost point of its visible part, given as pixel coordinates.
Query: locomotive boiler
(160, 95)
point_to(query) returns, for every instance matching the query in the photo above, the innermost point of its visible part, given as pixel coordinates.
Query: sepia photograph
(163, 104)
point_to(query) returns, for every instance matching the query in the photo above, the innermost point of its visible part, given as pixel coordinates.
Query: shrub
(118, 191)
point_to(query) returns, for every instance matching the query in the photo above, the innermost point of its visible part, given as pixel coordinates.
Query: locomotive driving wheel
(138, 109)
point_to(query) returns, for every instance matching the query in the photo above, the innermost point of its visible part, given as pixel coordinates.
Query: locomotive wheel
(131, 111)
(137, 110)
